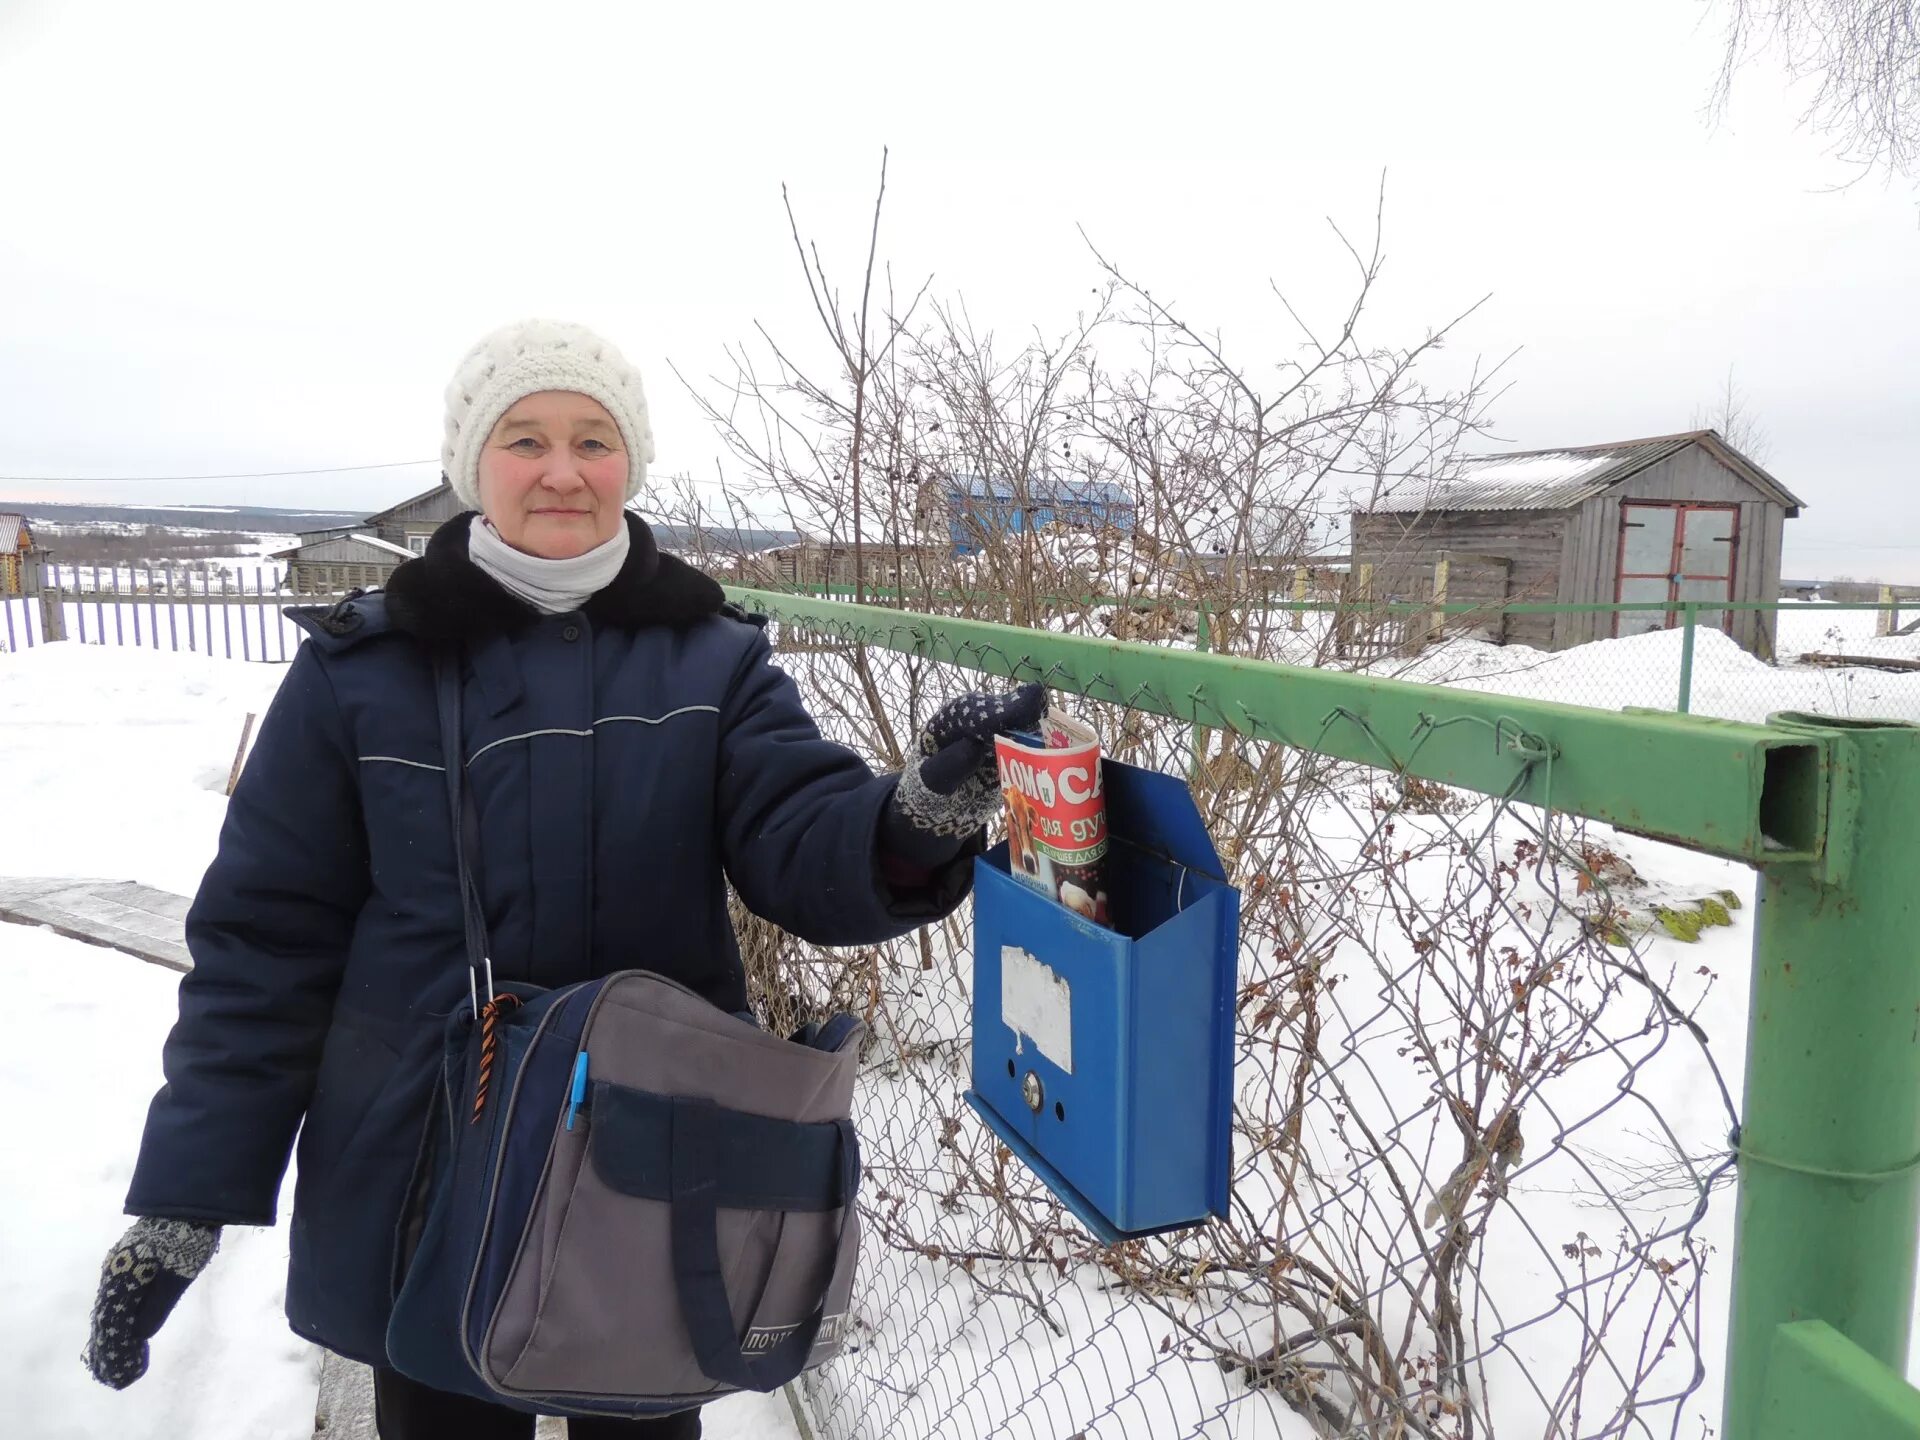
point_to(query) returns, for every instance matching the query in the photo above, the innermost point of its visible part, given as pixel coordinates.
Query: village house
(974, 510)
(328, 562)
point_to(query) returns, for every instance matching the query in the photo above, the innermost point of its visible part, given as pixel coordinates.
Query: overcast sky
(257, 237)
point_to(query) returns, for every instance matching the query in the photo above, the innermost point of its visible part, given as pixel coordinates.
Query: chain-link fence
(1478, 1129)
(1829, 659)
(1853, 660)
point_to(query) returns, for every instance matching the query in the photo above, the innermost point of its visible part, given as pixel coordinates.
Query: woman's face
(553, 475)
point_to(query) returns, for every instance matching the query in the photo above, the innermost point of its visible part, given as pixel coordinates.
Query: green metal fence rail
(1828, 1210)
(1687, 613)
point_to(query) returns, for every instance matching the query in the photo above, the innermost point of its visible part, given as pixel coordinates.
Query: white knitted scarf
(550, 586)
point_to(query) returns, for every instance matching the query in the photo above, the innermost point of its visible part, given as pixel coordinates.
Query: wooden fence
(236, 617)
(1459, 594)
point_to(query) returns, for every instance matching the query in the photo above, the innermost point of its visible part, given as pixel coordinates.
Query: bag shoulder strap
(464, 820)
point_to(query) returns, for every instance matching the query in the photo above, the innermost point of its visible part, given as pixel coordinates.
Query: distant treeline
(148, 545)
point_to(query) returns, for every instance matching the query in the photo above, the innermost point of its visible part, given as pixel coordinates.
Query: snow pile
(1806, 630)
(118, 759)
(1644, 670)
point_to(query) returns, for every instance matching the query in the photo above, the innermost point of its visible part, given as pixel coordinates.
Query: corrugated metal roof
(10, 528)
(1530, 480)
(351, 550)
(1561, 479)
(1041, 489)
(392, 549)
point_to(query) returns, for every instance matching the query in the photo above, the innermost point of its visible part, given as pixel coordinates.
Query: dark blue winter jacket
(626, 760)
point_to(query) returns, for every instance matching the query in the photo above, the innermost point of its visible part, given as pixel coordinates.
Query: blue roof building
(980, 507)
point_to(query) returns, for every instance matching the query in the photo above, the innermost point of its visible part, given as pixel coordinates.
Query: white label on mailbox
(1037, 1004)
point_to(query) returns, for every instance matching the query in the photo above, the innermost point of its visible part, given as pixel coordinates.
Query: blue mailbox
(1104, 1058)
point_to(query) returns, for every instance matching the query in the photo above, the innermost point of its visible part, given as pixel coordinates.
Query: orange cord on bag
(489, 1017)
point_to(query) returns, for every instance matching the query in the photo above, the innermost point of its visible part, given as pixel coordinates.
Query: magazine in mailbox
(1057, 815)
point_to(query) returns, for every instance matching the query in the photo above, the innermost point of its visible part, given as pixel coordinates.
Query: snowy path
(346, 1403)
(123, 915)
(80, 1063)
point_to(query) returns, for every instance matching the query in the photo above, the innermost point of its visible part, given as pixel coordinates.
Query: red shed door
(1672, 553)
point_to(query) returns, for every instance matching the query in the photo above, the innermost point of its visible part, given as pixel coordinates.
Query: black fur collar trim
(444, 596)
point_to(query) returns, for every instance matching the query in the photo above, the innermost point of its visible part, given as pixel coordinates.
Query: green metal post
(1692, 614)
(1820, 1385)
(1829, 1205)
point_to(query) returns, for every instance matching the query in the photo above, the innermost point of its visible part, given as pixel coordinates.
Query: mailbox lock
(1031, 1092)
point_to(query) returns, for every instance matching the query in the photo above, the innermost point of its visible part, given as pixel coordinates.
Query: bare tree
(1863, 58)
(1731, 413)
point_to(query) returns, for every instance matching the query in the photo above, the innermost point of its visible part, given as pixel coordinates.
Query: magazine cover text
(1057, 822)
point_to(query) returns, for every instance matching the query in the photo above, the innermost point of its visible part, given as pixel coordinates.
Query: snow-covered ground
(1803, 628)
(75, 1078)
(117, 761)
(226, 547)
(1728, 683)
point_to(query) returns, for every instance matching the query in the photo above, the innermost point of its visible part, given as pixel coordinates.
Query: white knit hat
(527, 357)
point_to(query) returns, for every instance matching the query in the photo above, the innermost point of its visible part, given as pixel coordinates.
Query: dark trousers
(407, 1410)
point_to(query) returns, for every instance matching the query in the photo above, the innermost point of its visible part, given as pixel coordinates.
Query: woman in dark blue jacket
(631, 749)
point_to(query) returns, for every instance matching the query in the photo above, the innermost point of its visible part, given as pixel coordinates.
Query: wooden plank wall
(1766, 631)
(1402, 548)
(434, 507)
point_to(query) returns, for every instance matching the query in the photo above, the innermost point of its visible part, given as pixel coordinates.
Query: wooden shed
(16, 543)
(1671, 518)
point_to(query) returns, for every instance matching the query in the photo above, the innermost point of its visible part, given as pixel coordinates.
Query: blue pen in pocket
(578, 1095)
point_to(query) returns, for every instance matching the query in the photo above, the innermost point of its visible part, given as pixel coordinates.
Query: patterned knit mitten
(146, 1273)
(953, 789)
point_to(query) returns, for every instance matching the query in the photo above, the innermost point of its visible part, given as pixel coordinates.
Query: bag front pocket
(682, 1248)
